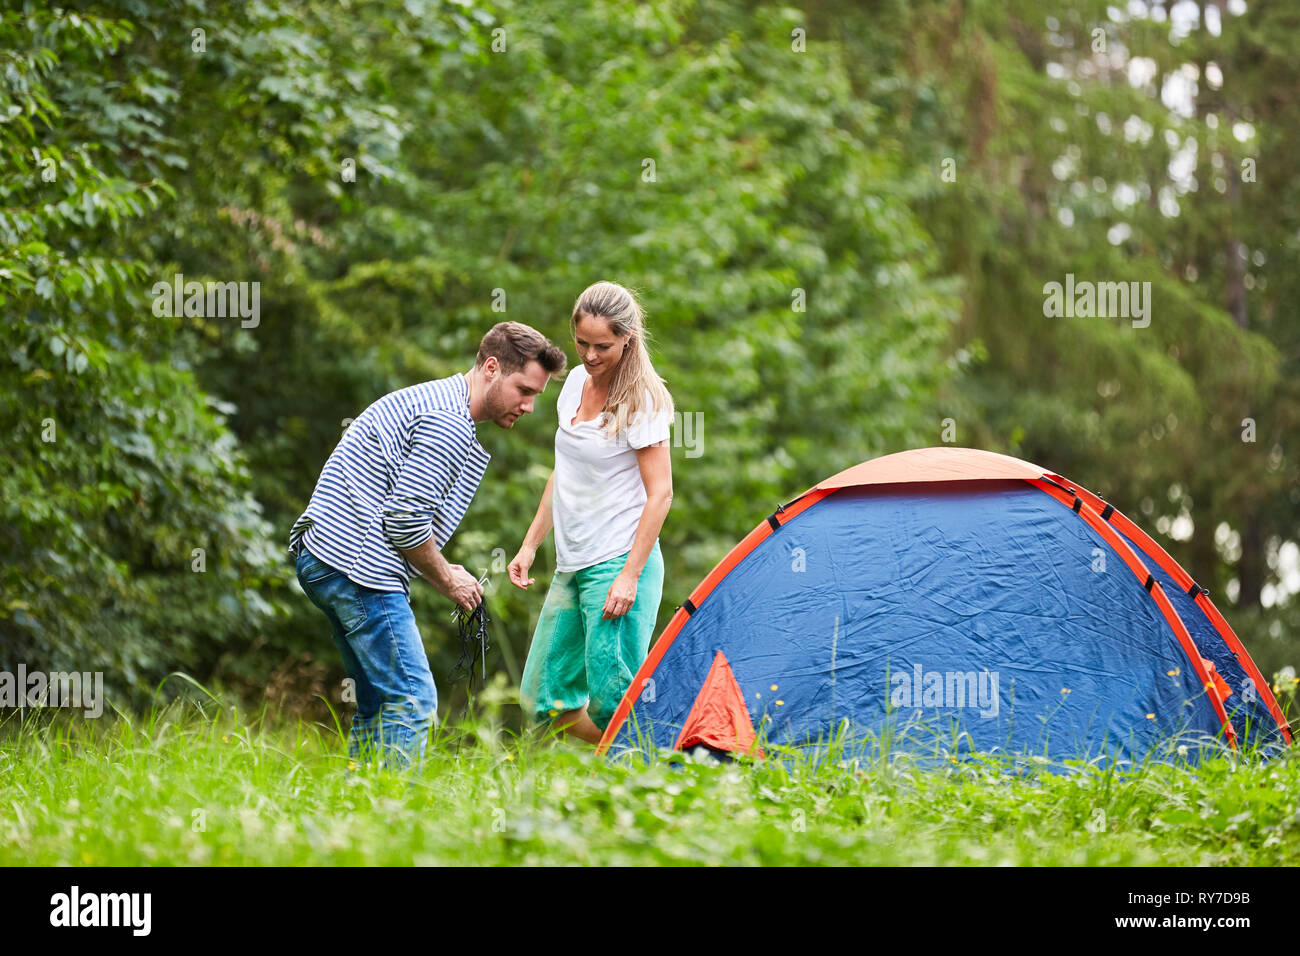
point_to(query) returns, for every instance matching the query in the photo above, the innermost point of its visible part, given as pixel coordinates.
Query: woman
(607, 498)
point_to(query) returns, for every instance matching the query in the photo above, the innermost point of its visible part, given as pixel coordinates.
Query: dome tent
(951, 586)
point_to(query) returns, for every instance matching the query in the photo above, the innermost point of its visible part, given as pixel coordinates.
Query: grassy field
(201, 784)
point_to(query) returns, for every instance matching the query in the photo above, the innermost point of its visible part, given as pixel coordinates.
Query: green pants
(577, 658)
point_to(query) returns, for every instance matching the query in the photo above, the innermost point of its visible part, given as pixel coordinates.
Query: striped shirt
(404, 472)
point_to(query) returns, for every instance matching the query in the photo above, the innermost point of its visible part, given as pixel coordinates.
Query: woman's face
(598, 347)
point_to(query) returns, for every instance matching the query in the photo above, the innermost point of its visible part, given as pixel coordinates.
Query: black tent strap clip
(1054, 484)
(1107, 512)
(776, 525)
(1151, 582)
(1194, 589)
(688, 607)
(1078, 503)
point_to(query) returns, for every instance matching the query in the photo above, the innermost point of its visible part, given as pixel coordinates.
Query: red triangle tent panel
(719, 717)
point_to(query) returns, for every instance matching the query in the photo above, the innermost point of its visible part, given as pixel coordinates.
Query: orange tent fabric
(719, 717)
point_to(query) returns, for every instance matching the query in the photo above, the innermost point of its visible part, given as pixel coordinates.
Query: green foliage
(119, 465)
(397, 178)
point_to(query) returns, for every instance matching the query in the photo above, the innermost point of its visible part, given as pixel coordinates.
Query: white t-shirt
(598, 496)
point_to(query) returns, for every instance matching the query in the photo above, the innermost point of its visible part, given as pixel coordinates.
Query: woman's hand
(518, 568)
(621, 596)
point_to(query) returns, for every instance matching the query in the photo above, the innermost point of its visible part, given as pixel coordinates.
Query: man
(387, 501)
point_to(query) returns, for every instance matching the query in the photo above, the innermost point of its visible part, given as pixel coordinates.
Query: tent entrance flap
(719, 718)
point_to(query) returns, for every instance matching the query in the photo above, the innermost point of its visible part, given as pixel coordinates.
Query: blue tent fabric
(964, 615)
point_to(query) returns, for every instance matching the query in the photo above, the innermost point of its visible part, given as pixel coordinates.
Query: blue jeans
(383, 654)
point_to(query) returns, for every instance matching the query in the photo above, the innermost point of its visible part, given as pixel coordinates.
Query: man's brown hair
(515, 345)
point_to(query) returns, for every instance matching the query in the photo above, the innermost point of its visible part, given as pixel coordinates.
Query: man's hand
(461, 587)
(518, 568)
(450, 580)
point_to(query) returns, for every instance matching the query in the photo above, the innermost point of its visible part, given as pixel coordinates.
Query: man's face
(509, 396)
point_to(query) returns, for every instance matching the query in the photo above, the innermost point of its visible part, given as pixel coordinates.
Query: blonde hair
(634, 374)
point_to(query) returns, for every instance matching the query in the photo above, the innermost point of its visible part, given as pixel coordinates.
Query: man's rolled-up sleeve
(422, 485)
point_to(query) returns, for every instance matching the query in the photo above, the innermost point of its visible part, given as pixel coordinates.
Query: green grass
(200, 784)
